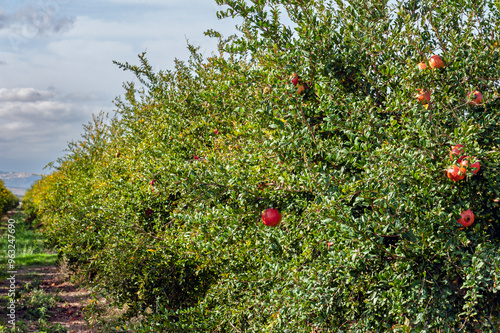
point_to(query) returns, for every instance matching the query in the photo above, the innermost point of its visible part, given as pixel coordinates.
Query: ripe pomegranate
(295, 79)
(424, 96)
(422, 66)
(456, 153)
(271, 217)
(456, 173)
(301, 88)
(436, 62)
(466, 218)
(474, 167)
(475, 98)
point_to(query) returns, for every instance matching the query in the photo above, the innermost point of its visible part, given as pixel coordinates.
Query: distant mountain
(18, 180)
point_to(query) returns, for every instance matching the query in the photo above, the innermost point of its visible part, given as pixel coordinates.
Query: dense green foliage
(160, 206)
(7, 199)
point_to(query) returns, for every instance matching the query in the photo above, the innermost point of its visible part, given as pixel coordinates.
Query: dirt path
(70, 300)
(36, 285)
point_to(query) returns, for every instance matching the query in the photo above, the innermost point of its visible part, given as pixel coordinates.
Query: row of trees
(7, 199)
(159, 206)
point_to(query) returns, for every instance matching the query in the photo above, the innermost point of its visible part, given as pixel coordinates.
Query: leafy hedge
(159, 206)
(7, 199)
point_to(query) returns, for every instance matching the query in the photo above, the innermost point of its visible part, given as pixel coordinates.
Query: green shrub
(7, 199)
(160, 205)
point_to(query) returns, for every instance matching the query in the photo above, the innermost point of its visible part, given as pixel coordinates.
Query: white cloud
(167, 3)
(38, 124)
(24, 94)
(33, 112)
(40, 20)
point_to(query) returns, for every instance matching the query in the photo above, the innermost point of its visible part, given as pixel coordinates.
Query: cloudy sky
(56, 64)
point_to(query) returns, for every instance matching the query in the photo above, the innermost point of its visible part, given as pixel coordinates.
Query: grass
(30, 246)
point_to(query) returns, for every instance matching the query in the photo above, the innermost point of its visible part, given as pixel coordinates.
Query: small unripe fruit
(422, 66)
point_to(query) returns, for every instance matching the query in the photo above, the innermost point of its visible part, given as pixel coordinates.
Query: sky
(56, 64)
